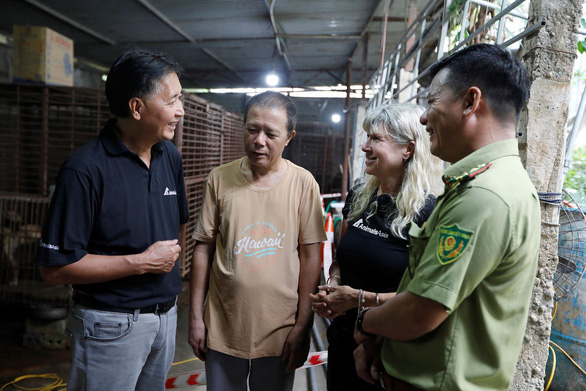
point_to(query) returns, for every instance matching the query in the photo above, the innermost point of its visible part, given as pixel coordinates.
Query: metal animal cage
(209, 137)
(320, 154)
(20, 280)
(40, 126)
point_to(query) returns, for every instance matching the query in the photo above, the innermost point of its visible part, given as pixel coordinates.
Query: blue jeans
(229, 373)
(117, 351)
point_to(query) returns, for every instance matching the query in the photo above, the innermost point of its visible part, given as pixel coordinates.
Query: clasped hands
(333, 300)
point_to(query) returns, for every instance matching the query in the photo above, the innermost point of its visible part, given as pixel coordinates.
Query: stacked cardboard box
(42, 55)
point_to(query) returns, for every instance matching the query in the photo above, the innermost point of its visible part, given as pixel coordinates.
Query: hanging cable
(553, 355)
(552, 369)
(568, 356)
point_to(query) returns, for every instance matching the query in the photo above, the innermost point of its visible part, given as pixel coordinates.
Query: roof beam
(271, 5)
(365, 29)
(179, 31)
(166, 20)
(320, 36)
(70, 21)
(389, 19)
(220, 61)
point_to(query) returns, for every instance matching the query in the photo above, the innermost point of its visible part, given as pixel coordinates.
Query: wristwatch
(359, 320)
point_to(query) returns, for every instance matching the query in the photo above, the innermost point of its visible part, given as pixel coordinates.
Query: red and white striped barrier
(315, 359)
(332, 195)
(185, 380)
(197, 378)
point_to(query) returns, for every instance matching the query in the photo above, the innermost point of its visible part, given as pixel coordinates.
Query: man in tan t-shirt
(256, 258)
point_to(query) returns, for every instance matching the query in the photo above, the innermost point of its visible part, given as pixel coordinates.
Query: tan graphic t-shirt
(252, 296)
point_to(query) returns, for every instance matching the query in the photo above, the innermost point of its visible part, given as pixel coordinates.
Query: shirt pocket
(418, 241)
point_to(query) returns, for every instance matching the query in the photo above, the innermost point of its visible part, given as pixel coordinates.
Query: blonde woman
(402, 179)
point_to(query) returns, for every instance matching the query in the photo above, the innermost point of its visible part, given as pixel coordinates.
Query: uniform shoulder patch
(452, 243)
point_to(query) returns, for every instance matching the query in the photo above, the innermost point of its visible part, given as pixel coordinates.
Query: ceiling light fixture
(336, 118)
(272, 79)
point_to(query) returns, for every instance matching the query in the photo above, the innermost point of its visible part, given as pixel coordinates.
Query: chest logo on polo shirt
(169, 192)
(452, 243)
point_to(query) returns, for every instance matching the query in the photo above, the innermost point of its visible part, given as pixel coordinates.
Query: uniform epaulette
(452, 181)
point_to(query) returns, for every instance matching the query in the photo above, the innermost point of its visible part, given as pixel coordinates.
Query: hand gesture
(160, 257)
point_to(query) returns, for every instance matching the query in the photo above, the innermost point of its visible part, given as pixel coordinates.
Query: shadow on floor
(17, 360)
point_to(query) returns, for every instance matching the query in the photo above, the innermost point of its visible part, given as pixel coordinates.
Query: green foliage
(582, 44)
(576, 176)
(580, 75)
(455, 15)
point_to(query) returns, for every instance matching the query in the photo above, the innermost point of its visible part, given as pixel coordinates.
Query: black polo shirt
(108, 202)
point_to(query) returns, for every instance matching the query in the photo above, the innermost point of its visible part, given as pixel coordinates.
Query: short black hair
(135, 74)
(274, 100)
(501, 77)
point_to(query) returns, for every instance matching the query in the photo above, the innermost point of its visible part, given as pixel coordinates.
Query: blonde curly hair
(423, 171)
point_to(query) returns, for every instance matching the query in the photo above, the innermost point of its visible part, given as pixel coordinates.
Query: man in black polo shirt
(112, 232)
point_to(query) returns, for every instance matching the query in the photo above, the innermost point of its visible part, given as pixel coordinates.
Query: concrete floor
(17, 360)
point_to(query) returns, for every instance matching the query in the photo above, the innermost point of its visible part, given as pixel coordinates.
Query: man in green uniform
(458, 319)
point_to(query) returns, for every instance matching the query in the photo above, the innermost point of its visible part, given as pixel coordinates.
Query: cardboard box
(42, 55)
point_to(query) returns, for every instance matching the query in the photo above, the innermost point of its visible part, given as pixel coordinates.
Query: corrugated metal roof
(223, 42)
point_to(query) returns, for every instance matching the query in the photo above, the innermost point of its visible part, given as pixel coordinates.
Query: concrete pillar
(358, 139)
(405, 77)
(549, 57)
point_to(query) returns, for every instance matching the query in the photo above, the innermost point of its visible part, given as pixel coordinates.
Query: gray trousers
(229, 373)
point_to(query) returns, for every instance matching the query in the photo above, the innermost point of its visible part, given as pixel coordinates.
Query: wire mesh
(320, 154)
(39, 127)
(20, 279)
(201, 140)
(571, 247)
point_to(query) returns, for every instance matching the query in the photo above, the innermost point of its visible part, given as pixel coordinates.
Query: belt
(90, 302)
(393, 384)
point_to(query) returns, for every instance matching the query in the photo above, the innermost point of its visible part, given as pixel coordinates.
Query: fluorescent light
(310, 92)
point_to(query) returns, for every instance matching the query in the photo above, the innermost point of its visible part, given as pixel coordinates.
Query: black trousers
(341, 369)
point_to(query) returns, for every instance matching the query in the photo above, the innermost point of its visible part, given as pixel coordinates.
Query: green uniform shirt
(476, 255)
